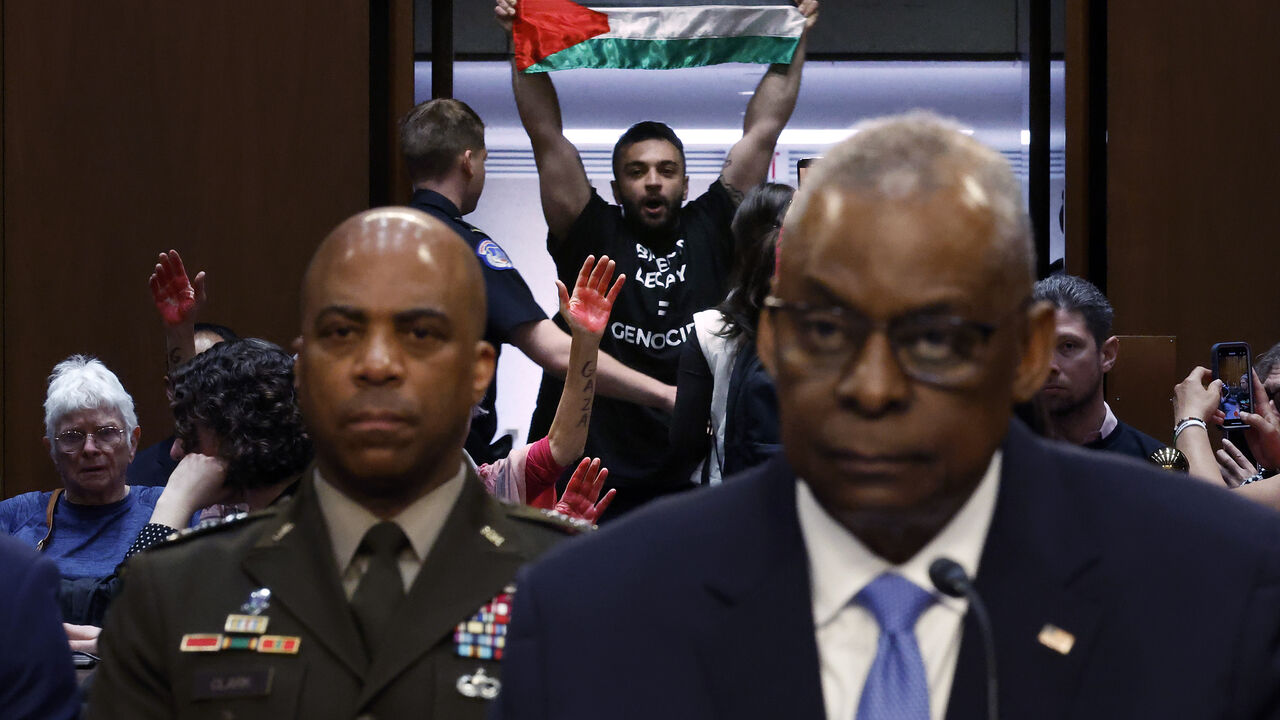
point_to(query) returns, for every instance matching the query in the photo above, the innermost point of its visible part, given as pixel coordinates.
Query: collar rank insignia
(484, 636)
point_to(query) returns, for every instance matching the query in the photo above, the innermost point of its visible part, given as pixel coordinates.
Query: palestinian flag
(653, 35)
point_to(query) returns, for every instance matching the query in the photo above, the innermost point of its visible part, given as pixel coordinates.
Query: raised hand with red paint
(176, 297)
(587, 310)
(579, 498)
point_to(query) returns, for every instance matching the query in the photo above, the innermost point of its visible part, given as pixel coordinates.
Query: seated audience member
(900, 335)
(1085, 352)
(92, 431)
(240, 445)
(1196, 407)
(240, 439)
(723, 394)
(178, 300)
(528, 474)
(37, 679)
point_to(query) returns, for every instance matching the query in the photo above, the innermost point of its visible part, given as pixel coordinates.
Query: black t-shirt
(507, 296)
(1128, 440)
(651, 320)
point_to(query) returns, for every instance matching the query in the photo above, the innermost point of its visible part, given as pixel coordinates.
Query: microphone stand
(952, 580)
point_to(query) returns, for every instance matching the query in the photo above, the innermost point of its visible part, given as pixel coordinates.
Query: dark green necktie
(382, 587)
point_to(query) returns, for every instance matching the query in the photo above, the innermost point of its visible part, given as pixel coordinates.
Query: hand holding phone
(1233, 365)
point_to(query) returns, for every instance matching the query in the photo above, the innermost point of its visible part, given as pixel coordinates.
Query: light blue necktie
(896, 688)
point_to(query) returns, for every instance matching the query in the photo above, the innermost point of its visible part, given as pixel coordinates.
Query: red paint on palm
(592, 300)
(173, 293)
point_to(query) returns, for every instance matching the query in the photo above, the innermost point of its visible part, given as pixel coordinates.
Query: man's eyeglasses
(72, 441)
(940, 350)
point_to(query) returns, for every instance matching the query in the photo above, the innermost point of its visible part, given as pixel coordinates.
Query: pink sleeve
(504, 478)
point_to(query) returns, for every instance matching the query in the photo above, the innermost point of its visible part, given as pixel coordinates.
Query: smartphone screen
(1231, 365)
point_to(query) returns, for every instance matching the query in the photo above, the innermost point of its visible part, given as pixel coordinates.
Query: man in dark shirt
(443, 144)
(1085, 351)
(677, 257)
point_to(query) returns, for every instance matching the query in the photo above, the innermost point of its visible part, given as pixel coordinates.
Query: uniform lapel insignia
(492, 536)
(1056, 639)
(484, 635)
(284, 530)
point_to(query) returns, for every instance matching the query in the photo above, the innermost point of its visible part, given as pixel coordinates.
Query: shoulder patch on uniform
(493, 255)
(550, 518)
(209, 527)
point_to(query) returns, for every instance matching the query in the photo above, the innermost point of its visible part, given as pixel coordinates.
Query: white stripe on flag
(703, 21)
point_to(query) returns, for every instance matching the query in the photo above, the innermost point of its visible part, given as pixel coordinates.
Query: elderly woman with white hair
(91, 432)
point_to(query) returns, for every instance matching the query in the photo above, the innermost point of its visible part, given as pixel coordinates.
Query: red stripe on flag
(545, 27)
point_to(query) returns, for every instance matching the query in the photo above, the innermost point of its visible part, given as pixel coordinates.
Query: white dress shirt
(1109, 422)
(847, 633)
(348, 521)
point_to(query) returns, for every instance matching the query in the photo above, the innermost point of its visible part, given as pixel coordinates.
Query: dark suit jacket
(37, 679)
(192, 584)
(700, 607)
(152, 465)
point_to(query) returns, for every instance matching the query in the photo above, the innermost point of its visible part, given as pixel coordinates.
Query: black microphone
(951, 579)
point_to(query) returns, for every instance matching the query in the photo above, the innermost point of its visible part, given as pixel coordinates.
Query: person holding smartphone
(1196, 406)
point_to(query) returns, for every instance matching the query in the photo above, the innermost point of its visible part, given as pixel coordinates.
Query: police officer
(443, 145)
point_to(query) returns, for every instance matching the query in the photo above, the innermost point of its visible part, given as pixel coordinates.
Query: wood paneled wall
(1190, 172)
(235, 131)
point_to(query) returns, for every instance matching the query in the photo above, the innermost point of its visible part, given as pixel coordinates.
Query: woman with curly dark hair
(240, 438)
(236, 401)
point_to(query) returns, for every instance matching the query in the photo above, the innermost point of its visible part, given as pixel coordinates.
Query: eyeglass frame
(985, 330)
(61, 438)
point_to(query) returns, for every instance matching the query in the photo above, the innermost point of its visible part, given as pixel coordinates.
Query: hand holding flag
(644, 34)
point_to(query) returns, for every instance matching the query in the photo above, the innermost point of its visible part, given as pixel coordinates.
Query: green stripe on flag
(669, 54)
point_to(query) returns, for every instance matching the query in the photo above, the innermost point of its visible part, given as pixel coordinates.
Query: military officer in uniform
(383, 588)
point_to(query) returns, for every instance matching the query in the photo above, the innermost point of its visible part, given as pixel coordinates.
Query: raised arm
(767, 114)
(178, 299)
(587, 312)
(562, 179)
(1197, 397)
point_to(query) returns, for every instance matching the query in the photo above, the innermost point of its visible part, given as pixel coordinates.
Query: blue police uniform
(510, 305)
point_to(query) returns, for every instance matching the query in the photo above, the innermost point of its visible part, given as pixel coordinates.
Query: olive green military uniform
(190, 586)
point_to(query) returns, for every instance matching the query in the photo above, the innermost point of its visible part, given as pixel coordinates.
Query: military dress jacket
(170, 649)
